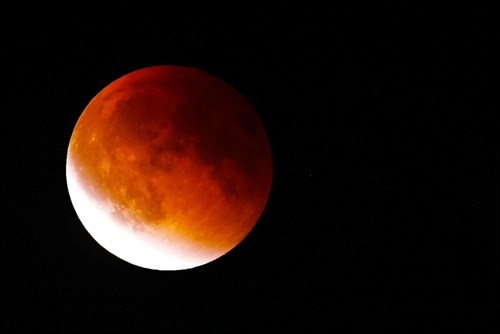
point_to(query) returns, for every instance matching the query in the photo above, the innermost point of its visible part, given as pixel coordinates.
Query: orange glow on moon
(169, 168)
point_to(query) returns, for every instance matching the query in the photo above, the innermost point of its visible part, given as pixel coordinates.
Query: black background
(383, 212)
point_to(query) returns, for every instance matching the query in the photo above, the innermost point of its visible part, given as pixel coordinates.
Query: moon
(169, 167)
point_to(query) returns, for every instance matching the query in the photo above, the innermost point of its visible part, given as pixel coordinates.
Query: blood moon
(169, 167)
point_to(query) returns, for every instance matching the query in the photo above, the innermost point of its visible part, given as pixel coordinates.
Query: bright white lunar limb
(139, 247)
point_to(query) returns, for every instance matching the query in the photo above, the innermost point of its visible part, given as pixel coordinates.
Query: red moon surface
(169, 167)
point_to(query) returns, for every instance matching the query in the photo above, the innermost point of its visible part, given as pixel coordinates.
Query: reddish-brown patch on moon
(177, 152)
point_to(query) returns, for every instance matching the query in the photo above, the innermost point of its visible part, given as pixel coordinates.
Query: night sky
(384, 208)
